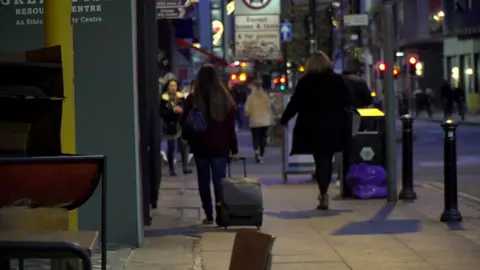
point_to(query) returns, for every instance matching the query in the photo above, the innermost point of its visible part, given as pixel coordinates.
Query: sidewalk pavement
(352, 235)
(438, 117)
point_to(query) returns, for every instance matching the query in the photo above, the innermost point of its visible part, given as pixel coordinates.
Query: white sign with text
(263, 45)
(257, 23)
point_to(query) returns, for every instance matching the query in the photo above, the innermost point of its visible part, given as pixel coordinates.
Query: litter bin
(367, 146)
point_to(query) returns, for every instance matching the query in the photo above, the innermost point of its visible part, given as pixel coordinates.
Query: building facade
(461, 48)
(418, 31)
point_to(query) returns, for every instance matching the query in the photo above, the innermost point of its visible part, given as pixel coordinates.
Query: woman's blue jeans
(210, 170)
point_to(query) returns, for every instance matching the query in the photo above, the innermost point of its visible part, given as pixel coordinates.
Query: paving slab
(351, 235)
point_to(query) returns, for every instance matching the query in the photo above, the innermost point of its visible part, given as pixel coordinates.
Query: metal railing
(42, 250)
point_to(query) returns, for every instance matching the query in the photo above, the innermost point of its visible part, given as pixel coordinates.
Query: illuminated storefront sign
(217, 30)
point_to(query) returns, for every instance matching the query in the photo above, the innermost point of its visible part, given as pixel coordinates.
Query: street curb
(465, 123)
(439, 187)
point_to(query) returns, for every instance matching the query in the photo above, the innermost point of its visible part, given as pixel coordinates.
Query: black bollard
(407, 192)
(450, 212)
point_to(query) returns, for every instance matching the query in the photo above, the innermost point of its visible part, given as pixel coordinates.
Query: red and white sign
(257, 7)
(256, 4)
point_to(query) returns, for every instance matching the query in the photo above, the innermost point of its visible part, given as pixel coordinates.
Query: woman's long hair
(210, 96)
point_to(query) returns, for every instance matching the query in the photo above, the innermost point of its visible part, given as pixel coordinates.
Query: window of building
(466, 73)
(476, 71)
(461, 64)
(463, 5)
(215, 4)
(452, 71)
(216, 15)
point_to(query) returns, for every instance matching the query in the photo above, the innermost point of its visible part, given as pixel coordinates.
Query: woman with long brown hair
(212, 147)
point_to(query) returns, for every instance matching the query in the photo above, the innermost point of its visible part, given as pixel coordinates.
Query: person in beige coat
(258, 111)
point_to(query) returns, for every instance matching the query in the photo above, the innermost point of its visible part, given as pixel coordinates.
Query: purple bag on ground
(370, 191)
(365, 174)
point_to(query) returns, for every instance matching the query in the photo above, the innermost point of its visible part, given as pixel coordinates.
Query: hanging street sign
(257, 37)
(171, 13)
(257, 30)
(286, 32)
(173, 3)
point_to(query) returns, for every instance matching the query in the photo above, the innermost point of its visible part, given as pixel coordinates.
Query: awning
(211, 57)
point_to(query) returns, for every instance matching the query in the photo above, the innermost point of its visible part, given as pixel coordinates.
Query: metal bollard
(407, 192)
(450, 212)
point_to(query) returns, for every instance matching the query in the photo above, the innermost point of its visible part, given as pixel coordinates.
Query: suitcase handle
(229, 169)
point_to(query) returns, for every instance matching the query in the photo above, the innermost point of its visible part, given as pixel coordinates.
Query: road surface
(428, 156)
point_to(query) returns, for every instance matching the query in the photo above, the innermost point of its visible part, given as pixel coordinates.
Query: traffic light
(283, 82)
(382, 68)
(396, 71)
(411, 65)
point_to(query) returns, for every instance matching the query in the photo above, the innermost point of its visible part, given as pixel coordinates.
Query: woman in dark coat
(322, 126)
(171, 109)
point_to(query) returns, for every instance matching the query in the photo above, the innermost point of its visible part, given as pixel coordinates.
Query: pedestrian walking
(213, 146)
(447, 99)
(321, 101)
(259, 113)
(171, 109)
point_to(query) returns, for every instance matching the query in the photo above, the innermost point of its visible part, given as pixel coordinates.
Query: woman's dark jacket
(323, 124)
(171, 120)
(219, 140)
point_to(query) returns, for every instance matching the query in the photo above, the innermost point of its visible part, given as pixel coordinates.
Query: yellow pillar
(57, 22)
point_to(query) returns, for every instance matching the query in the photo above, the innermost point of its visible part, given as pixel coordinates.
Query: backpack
(195, 123)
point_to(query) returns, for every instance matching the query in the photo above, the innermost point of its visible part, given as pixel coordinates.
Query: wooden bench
(36, 194)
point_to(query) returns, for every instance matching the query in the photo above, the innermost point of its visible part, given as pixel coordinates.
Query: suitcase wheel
(225, 227)
(259, 226)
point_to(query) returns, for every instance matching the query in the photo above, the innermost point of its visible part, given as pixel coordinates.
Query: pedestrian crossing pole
(389, 92)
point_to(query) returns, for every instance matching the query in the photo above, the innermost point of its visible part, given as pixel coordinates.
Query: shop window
(461, 77)
(467, 72)
(453, 71)
(476, 71)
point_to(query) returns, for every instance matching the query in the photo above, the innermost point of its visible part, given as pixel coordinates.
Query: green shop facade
(115, 100)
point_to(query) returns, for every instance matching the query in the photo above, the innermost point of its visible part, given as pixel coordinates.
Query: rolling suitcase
(242, 203)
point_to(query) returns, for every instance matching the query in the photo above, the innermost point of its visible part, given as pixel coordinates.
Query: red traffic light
(382, 67)
(412, 60)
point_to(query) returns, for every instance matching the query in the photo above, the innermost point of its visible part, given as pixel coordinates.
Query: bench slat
(85, 239)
